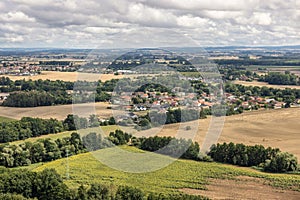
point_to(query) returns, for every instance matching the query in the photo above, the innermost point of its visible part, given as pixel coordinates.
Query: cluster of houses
(163, 101)
(19, 69)
(251, 102)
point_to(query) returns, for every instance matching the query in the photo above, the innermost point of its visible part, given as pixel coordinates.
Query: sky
(148, 23)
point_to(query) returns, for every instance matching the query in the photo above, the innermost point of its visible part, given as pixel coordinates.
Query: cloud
(139, 23)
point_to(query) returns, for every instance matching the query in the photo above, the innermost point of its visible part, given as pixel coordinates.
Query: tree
(82, 193)
(98, 192)
(282, 162)
(129, 193)
(49, 185)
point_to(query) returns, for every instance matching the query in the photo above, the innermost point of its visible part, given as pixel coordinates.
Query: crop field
(261, 84)
(275, 128)
(199, 178)
(59, 112)
(67, 76)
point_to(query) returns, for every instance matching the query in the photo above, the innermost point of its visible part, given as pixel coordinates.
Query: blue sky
(148, 23)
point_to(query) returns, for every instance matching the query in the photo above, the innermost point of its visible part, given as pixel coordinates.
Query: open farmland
(66, 76)
(59, 112)
(275, 128)
(200, 178)
(261, 84)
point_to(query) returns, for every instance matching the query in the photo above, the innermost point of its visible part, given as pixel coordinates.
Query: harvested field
(275, 128)
(261, 84)
(66, 76)
(247, 188)
(59, 112)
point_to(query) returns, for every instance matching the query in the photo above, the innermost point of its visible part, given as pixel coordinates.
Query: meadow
(6, 119)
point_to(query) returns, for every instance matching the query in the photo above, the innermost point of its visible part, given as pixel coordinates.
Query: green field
(6, 119)
(105, 129)
(85, 169)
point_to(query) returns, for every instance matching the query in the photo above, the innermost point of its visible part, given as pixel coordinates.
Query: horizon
(212, 46)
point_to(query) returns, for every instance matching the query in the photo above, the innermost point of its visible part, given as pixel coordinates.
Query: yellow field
(67, 76)
(275, 128)
(261, 84)
(59, 112)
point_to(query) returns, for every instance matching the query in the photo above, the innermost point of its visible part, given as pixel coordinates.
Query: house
(3, 96)
(279, 105)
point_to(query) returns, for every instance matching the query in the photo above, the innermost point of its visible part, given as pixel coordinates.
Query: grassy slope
(85, 169)
(6, 119)
(105, 129)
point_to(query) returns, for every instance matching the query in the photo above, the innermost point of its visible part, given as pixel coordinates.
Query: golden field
(66, 76)
(261, 84)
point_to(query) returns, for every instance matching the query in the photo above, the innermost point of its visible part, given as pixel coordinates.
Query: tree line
(29, 127)
(155, 118)
(287, 95)
(49, 185)
(42, 150)
(269, 159)
(46, 93)
(277, 78)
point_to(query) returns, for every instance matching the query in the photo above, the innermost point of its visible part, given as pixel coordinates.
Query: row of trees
(28, 127)
(270, 159)
(277, 78)
(40, 151)
(287, 95)
(46, 93)
(48, 185)
(186, 149)
(154, 118)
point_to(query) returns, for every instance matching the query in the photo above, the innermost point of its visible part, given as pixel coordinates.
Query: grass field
(6, 119)
(104, 129)
(67, 76)
(181, 176)
(261, 84)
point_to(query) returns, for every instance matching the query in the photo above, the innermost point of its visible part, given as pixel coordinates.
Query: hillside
(208, 179)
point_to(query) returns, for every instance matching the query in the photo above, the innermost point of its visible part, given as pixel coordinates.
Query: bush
(129, 193)
(282, 162)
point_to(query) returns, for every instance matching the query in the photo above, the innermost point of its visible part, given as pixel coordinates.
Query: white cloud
(16, 17)
(127, 23)
(192, 22)
(262, 18)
